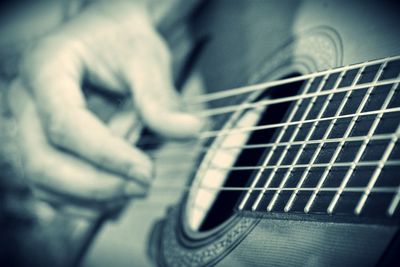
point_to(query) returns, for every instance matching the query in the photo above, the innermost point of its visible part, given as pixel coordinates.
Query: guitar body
(250, 42)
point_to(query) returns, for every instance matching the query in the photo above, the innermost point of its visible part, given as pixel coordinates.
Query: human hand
(67, 150)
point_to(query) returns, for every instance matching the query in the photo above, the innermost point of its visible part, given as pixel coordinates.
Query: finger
(149, 75)
(58, 171)
(67, 121)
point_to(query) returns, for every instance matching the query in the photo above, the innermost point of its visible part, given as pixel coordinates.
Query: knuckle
(104, 159)
(46, 55)
(56, 130)
(33, 57)
(126, 168)
(36, 168)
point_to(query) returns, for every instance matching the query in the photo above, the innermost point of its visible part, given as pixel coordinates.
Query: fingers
(149, 75)
(61, 172)
(55, 85)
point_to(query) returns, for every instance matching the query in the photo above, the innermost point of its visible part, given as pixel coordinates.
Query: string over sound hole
(233, 159)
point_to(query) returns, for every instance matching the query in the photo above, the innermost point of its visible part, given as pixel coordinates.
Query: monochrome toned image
(193, 133)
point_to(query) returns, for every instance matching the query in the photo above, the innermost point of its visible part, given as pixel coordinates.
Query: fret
(308, 168)
(361, 150)
(273, 148)
(394, 204)
(321, 181)
(292, 138)
(383, 160)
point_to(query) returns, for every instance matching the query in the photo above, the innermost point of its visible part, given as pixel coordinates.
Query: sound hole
(225, 201)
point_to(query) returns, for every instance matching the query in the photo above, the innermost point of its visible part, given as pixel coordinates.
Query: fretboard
(337, 149)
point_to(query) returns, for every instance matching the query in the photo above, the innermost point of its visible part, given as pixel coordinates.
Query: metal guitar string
(268, 102)
(266, 85)
(268, 145)
(262, 103)
(315, 165)
(383, 189)
(209, 134)
(262, 86)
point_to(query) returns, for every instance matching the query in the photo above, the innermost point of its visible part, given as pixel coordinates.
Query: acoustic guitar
(299, 164)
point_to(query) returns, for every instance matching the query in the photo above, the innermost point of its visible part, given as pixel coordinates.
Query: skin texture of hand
(66, 148)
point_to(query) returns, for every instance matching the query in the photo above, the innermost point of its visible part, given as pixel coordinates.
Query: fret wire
(377, 172)
(299, 152)
(263, 86)
(362, 148)
(316, 153)
(394, 204)
(292, 138)
(322, 179)
(206, 135)
(278, 139)
(305, 165)
(268, 102)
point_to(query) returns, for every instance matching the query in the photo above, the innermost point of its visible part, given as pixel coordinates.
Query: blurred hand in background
(67, 150)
